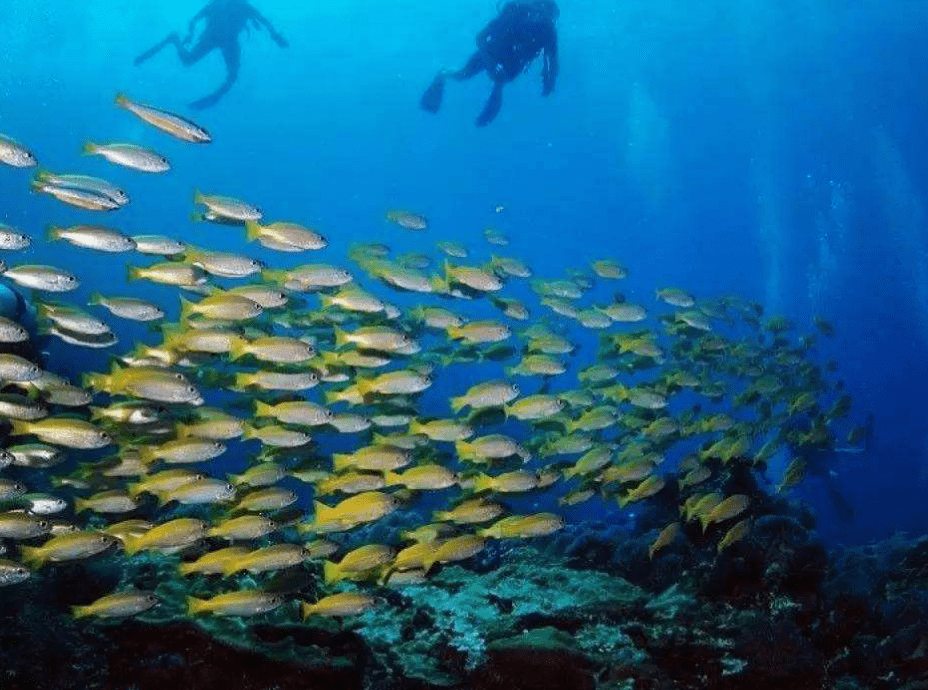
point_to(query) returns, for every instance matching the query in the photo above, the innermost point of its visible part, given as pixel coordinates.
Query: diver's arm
(551, 67)
(261, 20)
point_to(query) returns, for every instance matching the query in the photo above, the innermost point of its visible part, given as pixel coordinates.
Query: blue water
(770, 150)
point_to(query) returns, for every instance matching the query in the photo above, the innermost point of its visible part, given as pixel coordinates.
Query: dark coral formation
(580, 611)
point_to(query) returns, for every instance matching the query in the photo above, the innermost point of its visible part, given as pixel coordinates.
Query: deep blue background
(773, 150)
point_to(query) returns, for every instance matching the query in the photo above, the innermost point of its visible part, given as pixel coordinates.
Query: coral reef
(777, 611)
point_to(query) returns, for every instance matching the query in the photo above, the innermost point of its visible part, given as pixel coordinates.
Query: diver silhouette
(225, 20)
(521, 31)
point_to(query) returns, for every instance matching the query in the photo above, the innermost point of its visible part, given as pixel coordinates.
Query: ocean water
(770, 151)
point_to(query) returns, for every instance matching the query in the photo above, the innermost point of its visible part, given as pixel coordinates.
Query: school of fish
(327, 395)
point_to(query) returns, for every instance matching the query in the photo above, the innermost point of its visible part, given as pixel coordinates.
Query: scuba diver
(505, 48)
(225, 20)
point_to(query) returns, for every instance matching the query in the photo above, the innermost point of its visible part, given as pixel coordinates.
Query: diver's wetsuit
(225, 20)
(505, 48)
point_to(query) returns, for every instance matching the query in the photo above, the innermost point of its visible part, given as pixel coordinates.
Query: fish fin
(131, 544)
(252, 230)
(186, 307)
(238, 348)
(20, 428)
(133, 273)
(80, 611)
(341, 337)
(320, 510)
(330, 572)
(464, 450)
(196, 606)
(33, 556)
(482, 482)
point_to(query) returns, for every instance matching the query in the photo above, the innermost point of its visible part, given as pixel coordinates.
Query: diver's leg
(431, 99)
(232, 54)
(204, 47)
(493, 104)
(474, 66)
(157, 48)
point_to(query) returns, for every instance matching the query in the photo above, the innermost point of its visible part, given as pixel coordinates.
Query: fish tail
(340, 461)
(458, 403)
(196, 606)
(95, 299)
(463, 449)
(122, 101)
(252, 230)
(185, 568)
(131, 544)
(90, 149)
(482, 482)
(238, 348)
(263, 409)
(20, 428)
(186, 308)
(341, 337)
(242, 380)
(330, 572)
(306, 609)
(33, 556)
(97, 382)
(80, 611)
(133, 273)
(52, 233)
(320, 510)
(391, 478)
(80, 505)
(198, 197)
(37, 185)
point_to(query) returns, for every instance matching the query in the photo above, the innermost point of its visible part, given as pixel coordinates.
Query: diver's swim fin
(155, 49)
(494, 103)
(431, 99)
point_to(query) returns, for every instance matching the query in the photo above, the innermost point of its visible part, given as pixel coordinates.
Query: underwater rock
(540, 659)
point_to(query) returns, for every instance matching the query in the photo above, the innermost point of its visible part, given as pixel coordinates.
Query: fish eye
(151, 599)
(44, 524)
(515, 388)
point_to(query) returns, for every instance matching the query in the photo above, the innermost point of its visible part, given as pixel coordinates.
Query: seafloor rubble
(585, 609)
